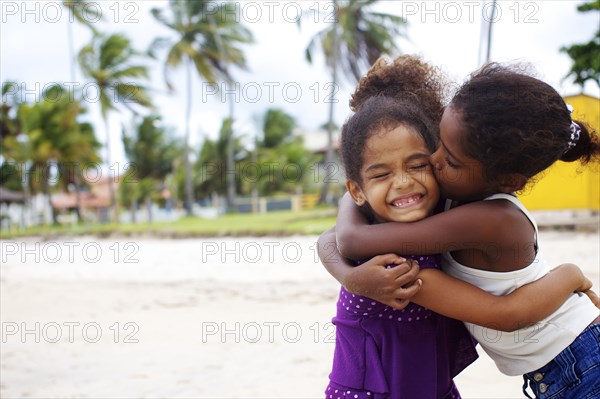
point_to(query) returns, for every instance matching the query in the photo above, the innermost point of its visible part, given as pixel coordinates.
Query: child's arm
(478, 225)
(523, 307)
(394, 287)
(452, 297)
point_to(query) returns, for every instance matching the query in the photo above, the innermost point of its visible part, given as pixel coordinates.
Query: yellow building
(569, 185)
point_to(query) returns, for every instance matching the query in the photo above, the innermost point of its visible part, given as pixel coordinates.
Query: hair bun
(583, 145)
(406, 76)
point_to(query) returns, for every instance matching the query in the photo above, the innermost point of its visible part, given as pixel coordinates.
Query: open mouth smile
(407, 201)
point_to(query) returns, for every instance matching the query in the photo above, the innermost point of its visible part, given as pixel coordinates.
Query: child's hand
(586, 288)
(585, 285)
(593, 297)
(392, 286)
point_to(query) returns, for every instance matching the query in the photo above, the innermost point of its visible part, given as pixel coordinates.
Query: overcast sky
(34, 52)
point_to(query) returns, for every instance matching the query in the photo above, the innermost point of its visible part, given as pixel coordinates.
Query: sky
(34, 53)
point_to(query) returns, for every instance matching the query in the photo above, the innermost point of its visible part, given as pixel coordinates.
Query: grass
(279, 223)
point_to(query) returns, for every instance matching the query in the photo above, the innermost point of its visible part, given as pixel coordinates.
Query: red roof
(88, 200)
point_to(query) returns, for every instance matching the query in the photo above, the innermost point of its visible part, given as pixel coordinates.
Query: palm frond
(134, 71)
(9, 86)
(158, 44)
(363, 36)
(158, 14)
(131, 93)
(93, 13)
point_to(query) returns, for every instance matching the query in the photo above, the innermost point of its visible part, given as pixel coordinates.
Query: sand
(190, 318)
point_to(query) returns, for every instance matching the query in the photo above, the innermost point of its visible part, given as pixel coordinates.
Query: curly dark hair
(404, 91)
(515, 123)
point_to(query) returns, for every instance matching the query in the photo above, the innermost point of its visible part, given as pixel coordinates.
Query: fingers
(399, 304)
(407, 292)
(587, 284)
(404, 277)
(395, 286)
(398, 271)
(593, 297)
(388, 259)
(400, 297)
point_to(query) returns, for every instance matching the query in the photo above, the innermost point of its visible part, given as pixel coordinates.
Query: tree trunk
(76, 177)
(46, 189)
(26, 195)
(255, 185)
(77, 180)
(71, 50)
(148, 204)
(489, 38)
(132, 210)
(230, 160)
(324, 196)
(113, 216)
(187, 171)
(73, 176)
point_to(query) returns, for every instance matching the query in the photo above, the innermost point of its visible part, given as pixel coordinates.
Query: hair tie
(570, 108)
(575, 131)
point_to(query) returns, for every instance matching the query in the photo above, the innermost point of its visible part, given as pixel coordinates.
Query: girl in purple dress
(411, 352)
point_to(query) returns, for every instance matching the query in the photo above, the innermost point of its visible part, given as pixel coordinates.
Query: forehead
(397, 137)
(451, 119)
(452, 131)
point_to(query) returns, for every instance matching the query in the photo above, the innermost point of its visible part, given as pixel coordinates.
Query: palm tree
(207, 40)
(109, 62)
(279, 146)
(150, 148)
(13, 148)
(92, 15)
(212, 161)
(351, 44)
(52, 137)
(9, 104)
(86, 13)
(79, 152)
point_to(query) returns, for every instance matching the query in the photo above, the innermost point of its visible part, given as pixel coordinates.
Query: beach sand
(190, 318)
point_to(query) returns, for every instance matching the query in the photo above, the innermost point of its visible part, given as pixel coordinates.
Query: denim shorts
(573, 374)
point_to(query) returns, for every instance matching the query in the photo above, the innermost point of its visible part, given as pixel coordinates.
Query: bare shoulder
(504, 209)
(506, 221)
(493, 219)
(486, 211)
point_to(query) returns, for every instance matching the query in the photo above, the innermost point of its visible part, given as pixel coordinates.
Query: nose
(435, 160)
(402, 180)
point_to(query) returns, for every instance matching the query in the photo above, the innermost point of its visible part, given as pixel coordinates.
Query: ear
(356, 192)
(511, 182)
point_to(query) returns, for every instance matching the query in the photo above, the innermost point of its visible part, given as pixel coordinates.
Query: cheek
(436, 160)
(445, 184)
(433, 185)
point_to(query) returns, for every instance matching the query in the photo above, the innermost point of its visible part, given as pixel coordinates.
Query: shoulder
(504, 210)
(480, 211)
(506, 220)
(489, 218)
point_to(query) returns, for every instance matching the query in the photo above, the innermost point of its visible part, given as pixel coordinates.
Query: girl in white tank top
(501, 128)
(530, 348)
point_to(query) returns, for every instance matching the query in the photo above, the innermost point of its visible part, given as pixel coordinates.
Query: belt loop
(525, 386)
(566, 360)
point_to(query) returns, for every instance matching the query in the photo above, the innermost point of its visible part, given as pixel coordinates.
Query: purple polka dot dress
(381, 352)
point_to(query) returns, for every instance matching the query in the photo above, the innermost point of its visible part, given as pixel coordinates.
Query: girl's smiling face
(396, 177)
(460, 177)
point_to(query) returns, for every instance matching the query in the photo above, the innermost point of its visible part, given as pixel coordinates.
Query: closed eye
(380, 175)
(419, 166)
(451, 164)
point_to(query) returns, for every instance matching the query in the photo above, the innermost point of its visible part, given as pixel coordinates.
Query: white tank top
(530, 348)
